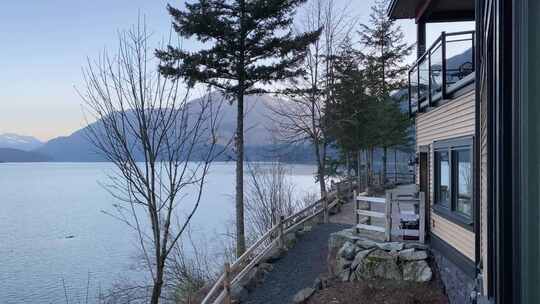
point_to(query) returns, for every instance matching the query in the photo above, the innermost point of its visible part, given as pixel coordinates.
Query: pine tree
(384, 57)
(384, 51)
(249, 43)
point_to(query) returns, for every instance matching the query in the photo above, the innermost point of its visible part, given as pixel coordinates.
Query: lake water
(43, 203)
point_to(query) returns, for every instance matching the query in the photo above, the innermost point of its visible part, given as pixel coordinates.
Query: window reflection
(444, 177)
(464, 202)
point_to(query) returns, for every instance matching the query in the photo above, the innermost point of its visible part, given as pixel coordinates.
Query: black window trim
(449, 211)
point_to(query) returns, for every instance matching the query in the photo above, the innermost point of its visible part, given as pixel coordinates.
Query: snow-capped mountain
(20, 142)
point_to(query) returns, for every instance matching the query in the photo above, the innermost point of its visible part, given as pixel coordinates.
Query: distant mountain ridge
(10, 155)
(19, 142)
(259, 143)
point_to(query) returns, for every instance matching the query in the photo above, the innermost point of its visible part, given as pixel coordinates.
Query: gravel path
(298, 269)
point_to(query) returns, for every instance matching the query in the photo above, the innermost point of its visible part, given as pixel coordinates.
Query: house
(474, 98)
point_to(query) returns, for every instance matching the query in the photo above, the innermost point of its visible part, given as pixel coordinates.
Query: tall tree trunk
(158, 284)
(240, 232)
(395, 167)
(371, 168)
(358, 169)
(321, 174)
(384, 160)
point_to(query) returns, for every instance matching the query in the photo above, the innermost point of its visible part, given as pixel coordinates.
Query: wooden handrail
(237, 270)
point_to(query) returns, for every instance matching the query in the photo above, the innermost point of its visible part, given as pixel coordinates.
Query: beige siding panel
(451, 120)
(455, 235)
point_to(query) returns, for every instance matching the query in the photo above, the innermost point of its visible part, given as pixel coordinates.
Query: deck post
(227, 283)
(357, 208)
(388, 211)
(422, 218)
(325, 209)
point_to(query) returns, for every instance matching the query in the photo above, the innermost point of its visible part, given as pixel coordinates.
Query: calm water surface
(41, 205)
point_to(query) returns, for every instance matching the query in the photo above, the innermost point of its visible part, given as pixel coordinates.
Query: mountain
(19, 142)
(258, 123)
(10, 155)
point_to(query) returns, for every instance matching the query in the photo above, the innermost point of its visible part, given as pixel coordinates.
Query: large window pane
(443, 178)
(464, 182)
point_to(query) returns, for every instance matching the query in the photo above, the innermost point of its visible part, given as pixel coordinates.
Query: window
(453, 174)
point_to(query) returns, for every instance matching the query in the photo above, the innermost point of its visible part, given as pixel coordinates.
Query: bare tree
(161, 145)
(300, 114)
(269, 195)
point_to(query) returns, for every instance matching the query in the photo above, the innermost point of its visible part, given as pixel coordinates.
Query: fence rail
(235, 272)
(411, 222)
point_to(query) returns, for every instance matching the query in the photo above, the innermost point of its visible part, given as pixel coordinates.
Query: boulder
(290, 240)
(390, 246)
(239, 293)
(417, 271)
(359, 258)
(347, 251)
(303, 295)
(345, 274)
(266, 267)
(379, 264)
(412, 255)
(417, 246)
(366, 243)
(274, 254)
(342, 263)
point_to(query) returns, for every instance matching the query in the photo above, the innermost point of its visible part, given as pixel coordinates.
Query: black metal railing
(447, 66)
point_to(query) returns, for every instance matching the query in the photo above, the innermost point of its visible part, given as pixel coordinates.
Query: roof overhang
(432, 10)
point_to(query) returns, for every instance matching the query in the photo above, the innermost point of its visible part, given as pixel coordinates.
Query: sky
(45, 43)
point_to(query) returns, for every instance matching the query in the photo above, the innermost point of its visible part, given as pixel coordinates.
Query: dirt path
(298, 269)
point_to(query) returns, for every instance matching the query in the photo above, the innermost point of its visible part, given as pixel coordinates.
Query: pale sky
(45, 43)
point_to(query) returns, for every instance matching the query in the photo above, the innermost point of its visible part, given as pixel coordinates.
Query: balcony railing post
(429, 78)
(443, 51)
(410, 104)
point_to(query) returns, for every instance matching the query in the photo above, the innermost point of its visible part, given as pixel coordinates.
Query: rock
(290, 240)
(415, 246)
(342, 263)
(337, 239)
(412, 255)
(239, 293)
(317, 284)
(359, 258)
(379, 264)
(366, 244)
(252, 278)
(347, 251)
(345, 274)
(417, 271)
(266, 267)
(273, 255)
(303, 295)
(390, 246)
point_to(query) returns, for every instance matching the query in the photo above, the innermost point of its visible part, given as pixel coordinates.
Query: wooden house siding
(451, 120)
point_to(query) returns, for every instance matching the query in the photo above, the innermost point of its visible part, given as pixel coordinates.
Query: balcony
(445, 69)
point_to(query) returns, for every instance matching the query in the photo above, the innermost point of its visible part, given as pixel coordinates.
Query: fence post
(388, 211)
(357, 208)
(280, 232)
(227, 283)
(325, 209)
(422, 218)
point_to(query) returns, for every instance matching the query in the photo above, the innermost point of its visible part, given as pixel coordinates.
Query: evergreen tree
(384, 55)
(249, 42)
(384, 52)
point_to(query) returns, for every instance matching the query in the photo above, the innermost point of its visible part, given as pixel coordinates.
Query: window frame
(449, 210)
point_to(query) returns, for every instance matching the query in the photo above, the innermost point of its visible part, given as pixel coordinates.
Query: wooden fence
(235, 272)
(409, 209)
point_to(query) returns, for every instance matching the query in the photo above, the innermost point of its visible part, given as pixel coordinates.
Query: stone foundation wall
(458, 286)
